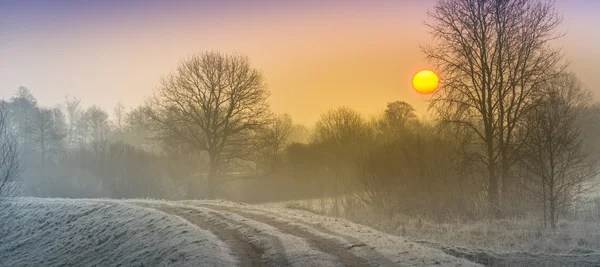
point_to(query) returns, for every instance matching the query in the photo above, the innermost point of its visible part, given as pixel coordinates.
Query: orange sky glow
(316, 55)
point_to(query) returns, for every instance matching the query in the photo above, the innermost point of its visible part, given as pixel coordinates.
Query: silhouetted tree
(212, 102)
(139, 128)
(399, 117)
(492, 56)
(47, 132)
(340, 136)
(341, 126)
(73, 116)
(95, 124)
(119, 112)
(272, 139)
(23, 108)
(10, 167)
(299, 134)
(560, 167)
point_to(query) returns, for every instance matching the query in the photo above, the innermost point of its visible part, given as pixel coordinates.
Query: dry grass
(501, 236)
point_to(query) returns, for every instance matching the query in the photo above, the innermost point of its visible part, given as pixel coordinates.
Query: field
(88, 232)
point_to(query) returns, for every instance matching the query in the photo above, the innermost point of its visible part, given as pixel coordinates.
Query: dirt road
(266, 239)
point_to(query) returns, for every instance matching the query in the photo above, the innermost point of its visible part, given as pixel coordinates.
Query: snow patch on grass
(59, 232)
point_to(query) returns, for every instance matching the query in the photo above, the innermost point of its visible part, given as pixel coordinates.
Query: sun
(425, 82)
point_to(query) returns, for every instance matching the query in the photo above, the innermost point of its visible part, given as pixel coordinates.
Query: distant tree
(299, 134)
(341, 126)
(400, 114)
(73, 116)
(60, 129)
(398, 118)
(492, 56)
(10, 167)
(23, 108)
(559, 165)
(212, 102)
(272, 139)
(344, 134)
(46, 132)
(119, 112)
(138, 125)
(340, 136)
(415, 174)
(95, 124)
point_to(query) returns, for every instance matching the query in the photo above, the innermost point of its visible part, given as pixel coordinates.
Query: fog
(497, 167)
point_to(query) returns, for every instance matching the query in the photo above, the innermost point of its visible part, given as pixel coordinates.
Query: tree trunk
(43, 155)
(492, 179)
(544, 201)
(552, 208)
(211, 187)
(505, 183)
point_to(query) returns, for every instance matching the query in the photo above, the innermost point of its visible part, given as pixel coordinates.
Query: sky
(315, 55)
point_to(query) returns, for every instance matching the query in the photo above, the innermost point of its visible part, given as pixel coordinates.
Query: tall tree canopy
(212, 102)
(493, 57)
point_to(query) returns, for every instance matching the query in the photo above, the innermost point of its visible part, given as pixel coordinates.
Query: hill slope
(85, 232)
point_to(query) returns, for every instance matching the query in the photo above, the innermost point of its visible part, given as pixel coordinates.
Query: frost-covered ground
(88, 232)
(514, 242)
(103, 232)
(59, 232)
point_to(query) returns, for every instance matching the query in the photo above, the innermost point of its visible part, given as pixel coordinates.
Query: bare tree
(492, 56)
(119, 112)
(299, 134)
(400, 114)
(398, 118)
(138, 126)
(44, 132)
(342, 134)
(272, 139)
(212, 102)
(10, 168)
(95, 124)
(414, 174)
(60, 130)
(23, 107)
(341, 126)
(73, 117)
(560, 167)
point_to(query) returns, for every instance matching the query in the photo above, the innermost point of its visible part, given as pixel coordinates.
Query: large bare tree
(212, 102)
(560, 168)
(492, 56)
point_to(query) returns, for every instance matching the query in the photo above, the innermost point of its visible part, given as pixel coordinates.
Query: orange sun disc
(425, 82)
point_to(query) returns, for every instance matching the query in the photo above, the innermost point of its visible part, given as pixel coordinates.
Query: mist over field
(388, 133)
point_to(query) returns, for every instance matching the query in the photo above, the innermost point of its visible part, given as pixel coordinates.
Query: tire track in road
(360, 248)
(246, 252)
(322, 244)
(273, 247)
